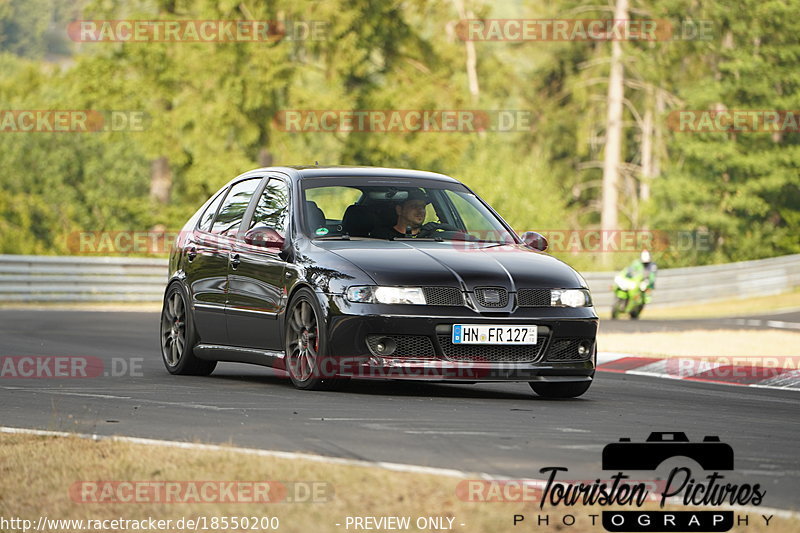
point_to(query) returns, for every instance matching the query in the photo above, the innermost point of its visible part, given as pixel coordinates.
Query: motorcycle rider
(642, 271)
(644, 268)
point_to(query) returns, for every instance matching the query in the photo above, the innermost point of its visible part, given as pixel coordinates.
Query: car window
(333, 200)
(233, 207)
(208, 214)
(272, 208)
(477, 220)
(360, 209)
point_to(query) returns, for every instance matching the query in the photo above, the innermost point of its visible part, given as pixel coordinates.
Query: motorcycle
(630, 295)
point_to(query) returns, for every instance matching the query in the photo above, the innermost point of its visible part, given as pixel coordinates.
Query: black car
(331, 273)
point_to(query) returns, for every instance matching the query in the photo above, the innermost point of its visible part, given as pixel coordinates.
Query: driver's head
(411, 211)
(645, 257)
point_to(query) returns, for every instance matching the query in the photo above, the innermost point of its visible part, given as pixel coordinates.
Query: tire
(307, 361)
(617, 308)
(178, 336)
(636, 312)
(559, 390)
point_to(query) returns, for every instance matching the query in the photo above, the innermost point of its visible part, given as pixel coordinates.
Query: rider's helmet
(645, 257)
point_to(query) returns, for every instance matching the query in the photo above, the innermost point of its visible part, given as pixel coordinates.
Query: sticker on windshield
(321, 231)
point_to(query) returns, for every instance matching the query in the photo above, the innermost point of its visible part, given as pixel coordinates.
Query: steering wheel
(432, 227)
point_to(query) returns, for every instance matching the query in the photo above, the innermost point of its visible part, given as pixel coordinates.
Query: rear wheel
(559, 390)
(179, 337)
(307, 362)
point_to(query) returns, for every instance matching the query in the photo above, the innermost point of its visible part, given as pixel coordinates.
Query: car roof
(301, 172)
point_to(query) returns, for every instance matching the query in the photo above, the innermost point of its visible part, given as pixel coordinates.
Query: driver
(410, 217)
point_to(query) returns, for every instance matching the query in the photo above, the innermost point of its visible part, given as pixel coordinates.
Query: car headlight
(386, 295)
(570, 297)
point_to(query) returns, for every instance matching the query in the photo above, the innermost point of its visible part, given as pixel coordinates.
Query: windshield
(344, 209)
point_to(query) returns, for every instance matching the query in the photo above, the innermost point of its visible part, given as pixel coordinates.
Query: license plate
(483, 334)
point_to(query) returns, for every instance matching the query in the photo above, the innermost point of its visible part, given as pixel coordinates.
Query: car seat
(315, 217)
(358, 220)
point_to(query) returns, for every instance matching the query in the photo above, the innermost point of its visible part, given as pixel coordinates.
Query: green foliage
(211, 113)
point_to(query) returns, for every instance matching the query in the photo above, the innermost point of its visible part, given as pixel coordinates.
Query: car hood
(456, 264)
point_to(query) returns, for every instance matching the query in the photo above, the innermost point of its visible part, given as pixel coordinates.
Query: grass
(773, 347)
(37, 472)
(724, 308)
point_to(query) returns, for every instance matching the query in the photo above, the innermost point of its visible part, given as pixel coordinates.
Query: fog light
(383, 346)
(584, 348)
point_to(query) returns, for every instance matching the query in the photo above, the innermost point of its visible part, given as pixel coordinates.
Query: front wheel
(617, 308)
(307, 363)
(559, 389)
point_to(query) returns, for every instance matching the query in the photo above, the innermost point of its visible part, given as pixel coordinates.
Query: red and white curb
(741, 371)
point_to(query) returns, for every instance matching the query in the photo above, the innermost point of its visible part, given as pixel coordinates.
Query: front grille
(533, 297)
(407, 345)
(443, 296)
(483, 296)
(567, 350)
(521, 353)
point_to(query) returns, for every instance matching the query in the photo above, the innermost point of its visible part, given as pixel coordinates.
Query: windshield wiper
(342, 237)
(435, 239)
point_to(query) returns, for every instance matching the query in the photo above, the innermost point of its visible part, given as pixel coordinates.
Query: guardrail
(762, 277)
(38, 278)
(32, 278)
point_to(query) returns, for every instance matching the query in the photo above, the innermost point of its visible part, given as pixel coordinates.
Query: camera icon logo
(710, 454)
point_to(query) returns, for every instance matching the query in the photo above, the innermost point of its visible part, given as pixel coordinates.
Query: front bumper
(434, 358)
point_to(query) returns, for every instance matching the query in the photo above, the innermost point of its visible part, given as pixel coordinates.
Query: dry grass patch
(37, 472)
(724, 308)
(773, 346)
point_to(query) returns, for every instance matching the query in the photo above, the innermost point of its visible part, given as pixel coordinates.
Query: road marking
(782, 324)
(339, 419)
(769, 323)
(454, 432)
(142, 400)
(585, 447)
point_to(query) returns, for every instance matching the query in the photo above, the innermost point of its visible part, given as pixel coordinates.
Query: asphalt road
(496, 428)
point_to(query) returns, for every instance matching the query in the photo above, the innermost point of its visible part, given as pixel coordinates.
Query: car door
(205, 263)
(257, 284)
(208, 257)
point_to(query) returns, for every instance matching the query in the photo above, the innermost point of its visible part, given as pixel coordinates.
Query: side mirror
(264, 237)
(534, 240)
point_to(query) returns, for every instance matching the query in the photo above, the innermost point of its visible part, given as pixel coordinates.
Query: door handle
(191, 254)
(235, 261)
